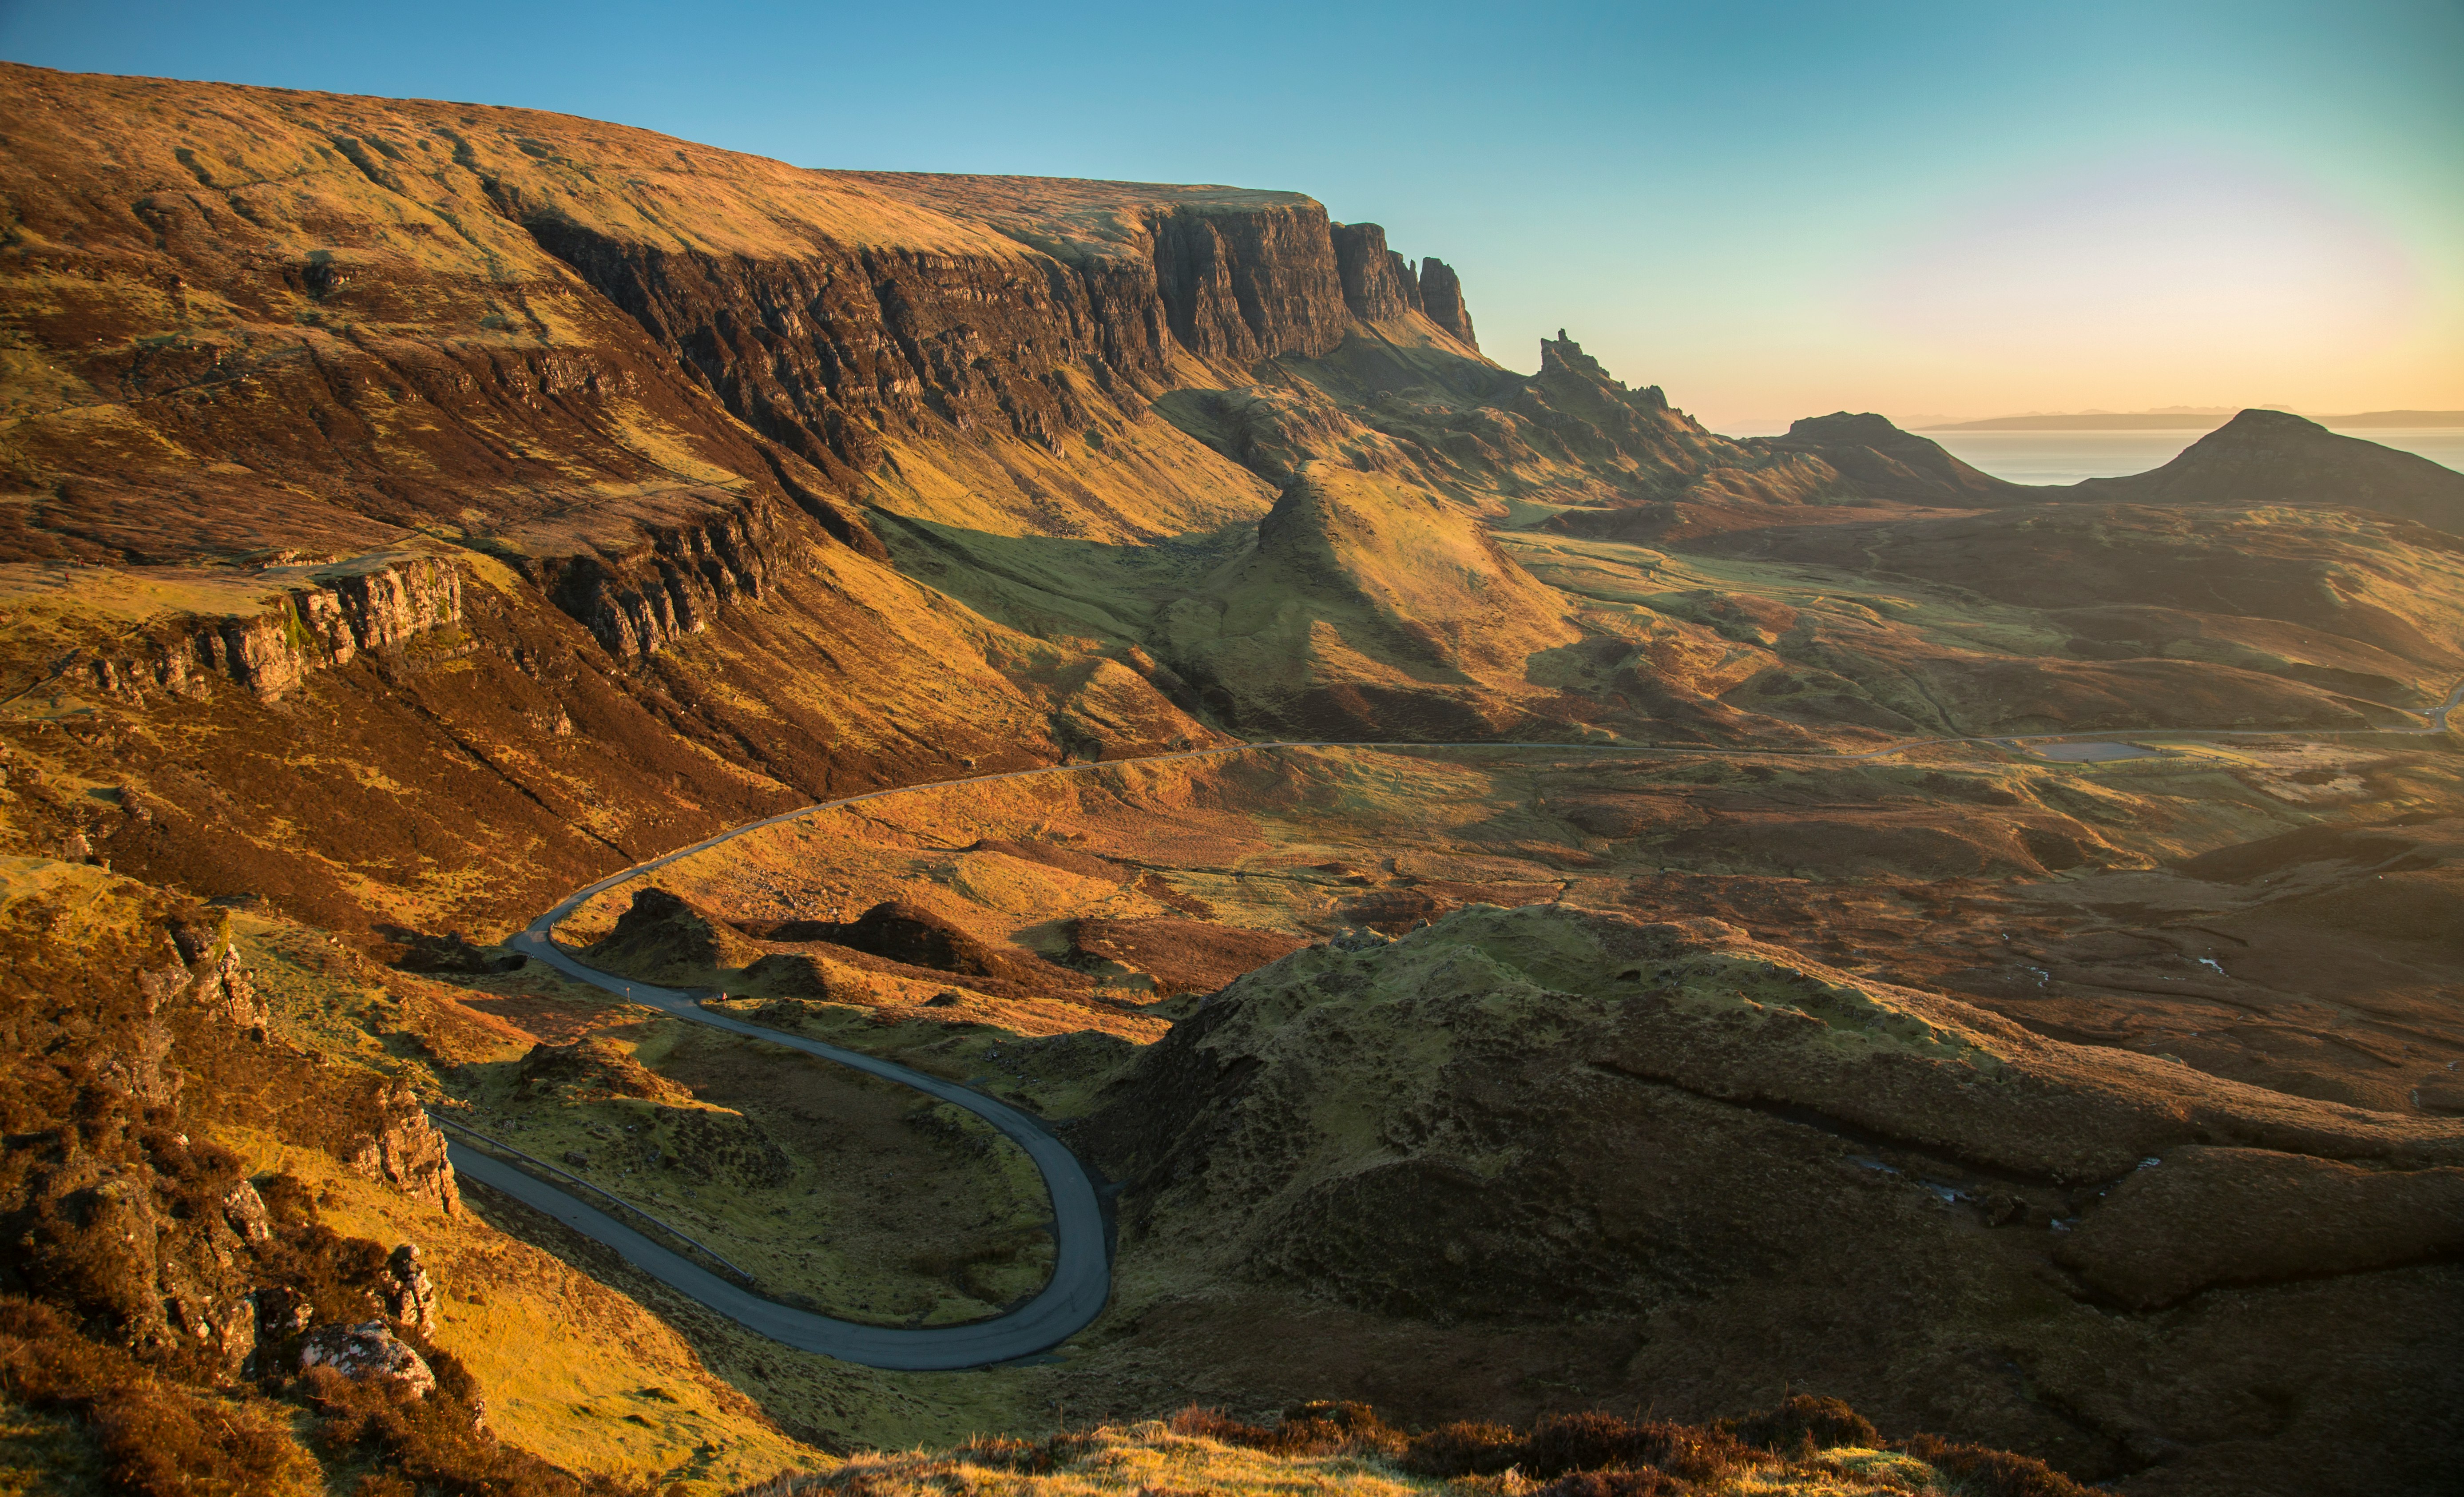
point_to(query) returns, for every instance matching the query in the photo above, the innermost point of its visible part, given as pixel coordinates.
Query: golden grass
(1150, 1459)
(618, 1390)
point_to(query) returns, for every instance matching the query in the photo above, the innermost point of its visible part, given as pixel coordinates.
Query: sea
(2070, 456)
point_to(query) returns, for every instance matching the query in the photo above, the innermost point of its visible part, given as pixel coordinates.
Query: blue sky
(1771, 210)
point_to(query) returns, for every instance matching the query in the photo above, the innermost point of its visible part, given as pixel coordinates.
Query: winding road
(1082, 1274)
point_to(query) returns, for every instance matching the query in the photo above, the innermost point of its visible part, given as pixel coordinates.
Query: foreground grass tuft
(1806, 1448)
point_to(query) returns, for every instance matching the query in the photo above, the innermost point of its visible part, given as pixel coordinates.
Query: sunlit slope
(1365, 609)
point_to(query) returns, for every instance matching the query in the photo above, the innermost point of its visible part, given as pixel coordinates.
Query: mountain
(1882, 459)
(2273, 457)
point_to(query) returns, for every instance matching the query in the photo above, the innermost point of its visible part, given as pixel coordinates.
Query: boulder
(367, 1352)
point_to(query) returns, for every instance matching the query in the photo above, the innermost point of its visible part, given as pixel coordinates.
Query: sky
(1768, 209)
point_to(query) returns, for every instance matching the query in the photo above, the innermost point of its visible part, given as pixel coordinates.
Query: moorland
(1576, 951)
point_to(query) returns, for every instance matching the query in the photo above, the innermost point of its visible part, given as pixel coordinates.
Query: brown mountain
(589, 490)
(2273, 457)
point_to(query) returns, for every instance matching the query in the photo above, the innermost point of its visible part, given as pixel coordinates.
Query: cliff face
(1441, 297)
(313, 617)
(1377, 283)
(674, 583)
(821, 350)
(1241, 287)
(400, 315)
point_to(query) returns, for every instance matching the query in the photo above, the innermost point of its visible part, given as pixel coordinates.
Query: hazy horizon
(1758, 210)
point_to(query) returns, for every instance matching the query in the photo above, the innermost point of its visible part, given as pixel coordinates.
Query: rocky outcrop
(224, 991)
(1442, 298)
(321, 616)
(1377, 283)
(367, 1352)
(673, 583)
(411, 1297)
(401, 1148)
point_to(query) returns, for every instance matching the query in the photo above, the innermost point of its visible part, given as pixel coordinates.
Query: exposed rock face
(823, 348)
(1246, 286)
(322, 616)
(118, 1205)
(1377, 283)
(411, 1298)
(828, 347)
(402, 1148)
(226, 992)
(1752, 1169)
(2274, 458)
(1442, 298)
(367, 1352)
(672, 584)
(244, 1212)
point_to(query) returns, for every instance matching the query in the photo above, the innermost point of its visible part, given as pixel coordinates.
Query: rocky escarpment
(321, 616)
(1709, 1166)
(1380, 285)
(1377, 283)
(1620, 461)
(829, 343)
(1240, 286)
(674, 581)
(823, 348)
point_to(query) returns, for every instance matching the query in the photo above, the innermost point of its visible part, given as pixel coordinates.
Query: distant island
(2187, 421)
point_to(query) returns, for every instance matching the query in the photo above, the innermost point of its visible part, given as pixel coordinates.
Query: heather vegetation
(1679, 989)
(1806, 1446)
